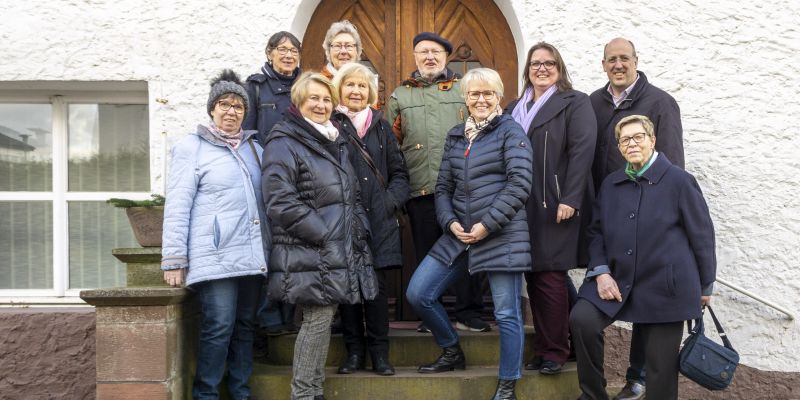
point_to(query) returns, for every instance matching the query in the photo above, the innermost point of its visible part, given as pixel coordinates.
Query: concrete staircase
(408, 349)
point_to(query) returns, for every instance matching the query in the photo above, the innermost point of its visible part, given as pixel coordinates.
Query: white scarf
(327, 129)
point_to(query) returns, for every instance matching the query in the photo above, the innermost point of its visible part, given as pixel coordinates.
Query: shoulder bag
(704, 361)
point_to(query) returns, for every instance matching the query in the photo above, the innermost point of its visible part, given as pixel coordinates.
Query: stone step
(408, 348)
(474, 383)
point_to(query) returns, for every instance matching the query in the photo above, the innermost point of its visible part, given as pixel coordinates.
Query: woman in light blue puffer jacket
(216, 236)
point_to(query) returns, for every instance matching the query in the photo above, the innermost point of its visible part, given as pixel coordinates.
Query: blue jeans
(431, 279)
(228, 308)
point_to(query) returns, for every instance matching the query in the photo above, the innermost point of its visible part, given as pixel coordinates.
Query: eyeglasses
(340, 46)
(225, 106)
(431, 52)
(626, 141)
(548, 65)
(283, 50)
(475, 95)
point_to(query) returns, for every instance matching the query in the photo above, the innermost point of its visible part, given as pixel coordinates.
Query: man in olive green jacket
(422, 110)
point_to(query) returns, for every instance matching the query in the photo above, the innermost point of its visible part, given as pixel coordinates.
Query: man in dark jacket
(422, 110)
(628, 93)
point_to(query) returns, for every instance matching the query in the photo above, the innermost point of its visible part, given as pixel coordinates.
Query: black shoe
(474, 325)
(505, 390)
(631, 391)
(534, 364)
(381, 365)
(276, 330)
(353, 363)
(319, 397)
(421, 328)
(550, 368)
(452, 358)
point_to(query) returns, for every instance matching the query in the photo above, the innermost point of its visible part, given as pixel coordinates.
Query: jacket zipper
(544, 172)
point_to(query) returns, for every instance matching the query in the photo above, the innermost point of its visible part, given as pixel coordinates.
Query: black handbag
(704, 361)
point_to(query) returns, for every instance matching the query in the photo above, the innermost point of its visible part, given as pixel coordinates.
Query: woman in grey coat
(215, 236)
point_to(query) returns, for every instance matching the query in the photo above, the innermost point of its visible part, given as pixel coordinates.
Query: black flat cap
(434, 38)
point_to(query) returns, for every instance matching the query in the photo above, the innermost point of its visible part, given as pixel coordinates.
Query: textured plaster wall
(732, 66)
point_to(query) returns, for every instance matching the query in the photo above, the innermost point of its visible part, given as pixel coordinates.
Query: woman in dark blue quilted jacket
(484, 182)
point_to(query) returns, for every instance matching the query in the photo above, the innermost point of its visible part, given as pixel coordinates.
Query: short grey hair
(336, 28)
(487, 75)
(646, 123)
(360, 70)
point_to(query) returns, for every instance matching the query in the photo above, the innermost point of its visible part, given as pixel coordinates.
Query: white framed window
(65, 148)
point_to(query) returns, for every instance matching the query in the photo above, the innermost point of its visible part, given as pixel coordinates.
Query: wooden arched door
(477, 29)
(480, 36)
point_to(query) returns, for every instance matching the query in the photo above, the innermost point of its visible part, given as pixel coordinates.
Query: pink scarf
(232, 139)
(361, 119)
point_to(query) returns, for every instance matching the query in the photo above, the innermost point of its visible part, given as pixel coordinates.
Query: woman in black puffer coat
(320, 257)
(483, 184)
(382, 174)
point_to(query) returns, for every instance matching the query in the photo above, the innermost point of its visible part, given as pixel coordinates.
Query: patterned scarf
(522, 114)
(472, 128)
(360, 119)
(232, 139)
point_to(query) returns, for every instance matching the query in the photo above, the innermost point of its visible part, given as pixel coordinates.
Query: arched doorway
(477, 29)
(480, 36)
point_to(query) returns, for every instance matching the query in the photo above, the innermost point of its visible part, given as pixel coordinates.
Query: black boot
(452, 358)
(353, 363)
(381, 365)
(505, 390)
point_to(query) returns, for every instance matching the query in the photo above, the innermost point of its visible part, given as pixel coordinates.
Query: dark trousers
(661, 343)
(550, 305)
(426, 231)
(636, 370)
(376, 315)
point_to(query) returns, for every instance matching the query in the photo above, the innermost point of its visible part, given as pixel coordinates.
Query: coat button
(629, 252)
(632, 216)
(256, 222)
(263, 269)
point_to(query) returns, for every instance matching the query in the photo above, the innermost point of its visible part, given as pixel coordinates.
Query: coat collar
(204, 133)
(458, 130)
(653, 174)
(557, 102)
(637, 92)
(296, 127)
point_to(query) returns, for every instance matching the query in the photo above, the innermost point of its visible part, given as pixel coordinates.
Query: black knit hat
(434, 38)
(227, 82)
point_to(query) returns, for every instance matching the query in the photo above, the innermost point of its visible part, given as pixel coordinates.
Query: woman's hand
(458, 231)
(564, 213)
(175, 277)
(478, 233)
(705, 300)
(607, 288)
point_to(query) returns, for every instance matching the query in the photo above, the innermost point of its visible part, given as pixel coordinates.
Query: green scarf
(633, 174)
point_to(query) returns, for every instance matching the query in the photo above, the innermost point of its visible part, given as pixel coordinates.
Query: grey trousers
(311, 351)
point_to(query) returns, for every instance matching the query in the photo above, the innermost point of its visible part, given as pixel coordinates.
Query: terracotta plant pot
(147, 224)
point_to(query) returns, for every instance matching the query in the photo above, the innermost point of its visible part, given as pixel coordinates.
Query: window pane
(26, 154)
(108, 148)
(94, 229)
(26, 245)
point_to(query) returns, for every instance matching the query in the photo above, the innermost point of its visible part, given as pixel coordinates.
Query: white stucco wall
(732, 66)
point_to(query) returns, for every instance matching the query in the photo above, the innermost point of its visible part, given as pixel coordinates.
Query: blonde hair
(356, 69)
(487, 75)
(632, 119)
(300, 88)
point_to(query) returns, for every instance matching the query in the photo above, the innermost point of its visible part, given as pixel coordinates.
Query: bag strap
(255, 153)
(368, 159)
(722, 333)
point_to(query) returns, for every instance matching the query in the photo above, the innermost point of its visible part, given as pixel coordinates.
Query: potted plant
(146, 218)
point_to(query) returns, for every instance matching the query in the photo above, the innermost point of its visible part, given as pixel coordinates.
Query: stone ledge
(138, 254)
(135, 296)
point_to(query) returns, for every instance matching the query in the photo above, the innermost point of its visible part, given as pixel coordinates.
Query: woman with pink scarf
(381, 169)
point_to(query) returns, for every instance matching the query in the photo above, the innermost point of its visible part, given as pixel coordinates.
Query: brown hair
(563, 83)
